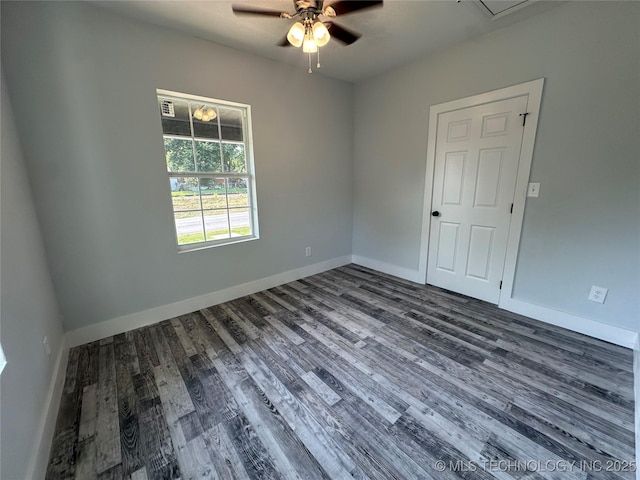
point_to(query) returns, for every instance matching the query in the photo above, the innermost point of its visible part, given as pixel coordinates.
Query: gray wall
(584, 228)
(91, 131)
(29, 309)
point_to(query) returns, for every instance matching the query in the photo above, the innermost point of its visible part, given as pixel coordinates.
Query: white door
(476, 163)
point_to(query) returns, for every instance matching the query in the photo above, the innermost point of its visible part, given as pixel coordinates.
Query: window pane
(216, 224)
(213, 193)
(240, 222)
(208, 155)
(179, 155)
(230, 123)
(184, 184)
(189, 227)
(204, 128)
(234, 159)
(238, 193)
(183, 195)
(178, 124)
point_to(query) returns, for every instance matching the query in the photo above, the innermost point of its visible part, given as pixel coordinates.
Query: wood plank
(225, 457)
(292, 336)
(173, 386)
(160, 457)
(192, 463)
(86, 462)
(321, 388)
(88, 413)
(201, 402)
(126, 366)
(155, 440)
(140, 474)
(107, 424)
(185, 340)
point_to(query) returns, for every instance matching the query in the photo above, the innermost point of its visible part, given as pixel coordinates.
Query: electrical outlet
(598, 294)
(46, 346)
(307, 252)
(534, 190)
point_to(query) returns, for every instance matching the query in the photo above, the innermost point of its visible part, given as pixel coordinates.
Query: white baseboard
(603, 331)
(388, 268)
(37, 468)
(123, 324)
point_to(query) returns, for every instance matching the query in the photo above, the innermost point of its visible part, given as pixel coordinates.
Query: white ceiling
(398, 33)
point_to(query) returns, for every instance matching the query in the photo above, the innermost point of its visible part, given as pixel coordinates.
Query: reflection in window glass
(231, 124)
(175, 116)
(205, 129)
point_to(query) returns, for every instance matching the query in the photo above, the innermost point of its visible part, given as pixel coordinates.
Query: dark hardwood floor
(350, 373)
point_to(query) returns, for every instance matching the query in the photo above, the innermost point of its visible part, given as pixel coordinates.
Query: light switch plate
(534, 190)
(598, 294)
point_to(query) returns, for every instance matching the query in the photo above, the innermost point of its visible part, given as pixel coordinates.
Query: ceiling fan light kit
(204, 113)
(321, 34)
(309, 45)
(311, 33)
(296, 34)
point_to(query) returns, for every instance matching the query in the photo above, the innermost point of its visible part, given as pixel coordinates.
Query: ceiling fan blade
(343, 7)
(342, 34)
(242, 10)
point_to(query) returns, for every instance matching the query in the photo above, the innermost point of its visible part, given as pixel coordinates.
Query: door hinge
(511, 208)
(500, 284)
(524, 118)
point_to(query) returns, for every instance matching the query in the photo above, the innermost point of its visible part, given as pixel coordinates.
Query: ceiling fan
(310, 32)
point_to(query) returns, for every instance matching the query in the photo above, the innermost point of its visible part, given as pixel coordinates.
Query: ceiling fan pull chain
(310, 71)
(318, 64)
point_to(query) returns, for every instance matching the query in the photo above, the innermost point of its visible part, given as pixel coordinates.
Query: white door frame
(534, 91)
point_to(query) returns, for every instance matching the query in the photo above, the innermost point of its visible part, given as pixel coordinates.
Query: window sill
(194, 247)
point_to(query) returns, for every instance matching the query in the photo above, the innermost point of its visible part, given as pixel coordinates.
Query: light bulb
(198, 114)
(320, 34)
(309, 45)
(211, 113)
(296, 34)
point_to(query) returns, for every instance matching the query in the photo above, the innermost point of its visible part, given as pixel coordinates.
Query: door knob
(435, 214)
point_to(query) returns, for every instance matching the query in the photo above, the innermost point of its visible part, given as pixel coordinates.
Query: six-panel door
(477, 154)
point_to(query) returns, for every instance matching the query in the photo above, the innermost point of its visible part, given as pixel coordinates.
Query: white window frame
(249, 175)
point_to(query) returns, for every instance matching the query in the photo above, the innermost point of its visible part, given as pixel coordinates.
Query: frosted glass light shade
(296, 34)
(204, 113)
(309, 45)
(321, 34)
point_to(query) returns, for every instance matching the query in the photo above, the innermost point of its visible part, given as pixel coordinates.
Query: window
(207, 146)
(3, 360)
